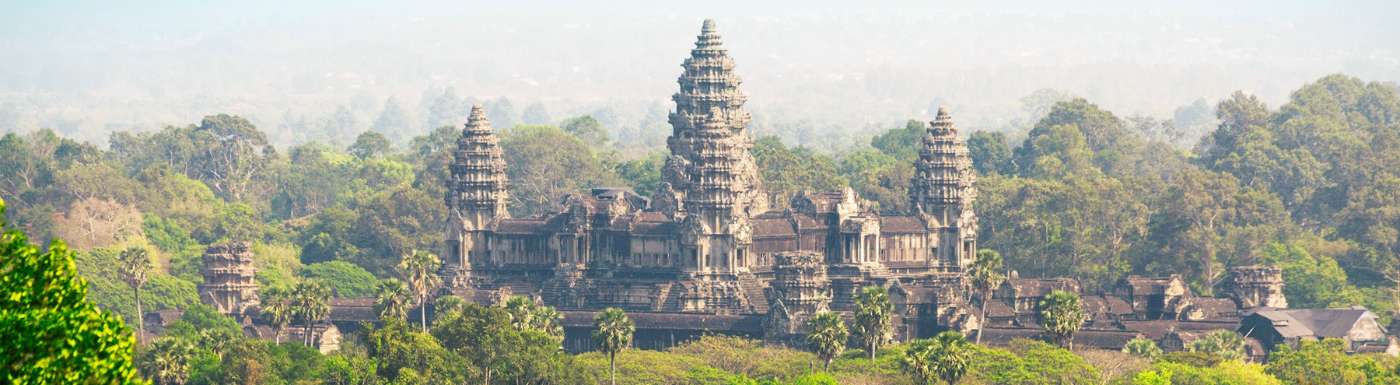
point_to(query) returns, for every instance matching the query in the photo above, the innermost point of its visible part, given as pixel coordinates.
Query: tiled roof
(520, 226)
(1324, 323)
(772, 227)
(901, 224)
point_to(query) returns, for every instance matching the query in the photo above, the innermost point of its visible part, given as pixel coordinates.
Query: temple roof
(901, 224)
(1322, 323)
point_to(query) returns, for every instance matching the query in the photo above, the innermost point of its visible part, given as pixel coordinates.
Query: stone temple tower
(230, 283)
(711, 182)
(941, 192)
(476, 196)
(1256, 286)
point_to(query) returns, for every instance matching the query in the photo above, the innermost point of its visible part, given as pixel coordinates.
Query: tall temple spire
(943, 174)
(942, 190)
(476, 191)
(711, 166)
(710, 179)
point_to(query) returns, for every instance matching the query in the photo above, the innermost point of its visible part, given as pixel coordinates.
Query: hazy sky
(96, 66)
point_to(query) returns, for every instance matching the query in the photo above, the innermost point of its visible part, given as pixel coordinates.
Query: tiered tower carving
(230, 283)
(711, 180)
(1257, 286)
(942, 192)
(799, 290)
(476, 196)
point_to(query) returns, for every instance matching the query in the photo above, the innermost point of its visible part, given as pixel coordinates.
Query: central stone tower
(941, 193)
(711, 182)
(476, 197)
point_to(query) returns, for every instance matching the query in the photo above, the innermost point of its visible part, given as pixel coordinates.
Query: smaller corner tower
(476, 197)
(230, 283)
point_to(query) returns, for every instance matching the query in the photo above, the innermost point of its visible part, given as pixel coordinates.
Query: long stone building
(708, 253)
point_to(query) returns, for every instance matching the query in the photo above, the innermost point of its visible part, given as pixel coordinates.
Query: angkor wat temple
(707, 253)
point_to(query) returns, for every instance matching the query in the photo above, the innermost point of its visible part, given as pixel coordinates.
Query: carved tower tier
(476, 196)
(711, 182)
(230, 279)
(942, 191)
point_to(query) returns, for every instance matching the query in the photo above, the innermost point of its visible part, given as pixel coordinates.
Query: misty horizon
(88, 69)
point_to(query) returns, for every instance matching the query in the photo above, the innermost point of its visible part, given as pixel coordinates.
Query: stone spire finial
(477, 120)
(943, 124)
(708, 26)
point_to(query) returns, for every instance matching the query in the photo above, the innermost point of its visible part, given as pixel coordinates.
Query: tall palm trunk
(986, 297)
(140, 321)
(306, 338)
(423, 311)
(612, 365)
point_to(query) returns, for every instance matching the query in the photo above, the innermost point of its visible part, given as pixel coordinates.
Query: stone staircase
(754, 293)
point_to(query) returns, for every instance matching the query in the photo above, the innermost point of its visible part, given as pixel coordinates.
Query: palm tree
(521, 309)
(1226, 344)
(276, 307)
(827, 334)
(217, 341)
(1142, 347)
(391, 299)
(546, 320)
(311, 303)
(872, 316)
(1061, 316)
(168, 361)
(986, 276)
(420, 269)
(944, 357)
(613, 332)
(133, 264)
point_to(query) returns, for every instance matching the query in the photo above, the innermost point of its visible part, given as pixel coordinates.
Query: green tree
(344, 279)
(547, 163)
(483, 335)
(944, 357)
(391, 299)
(587, 129)
(369, 144)
(827, 334)
(612, 333)
(420, 268)
(1142, 347)
(902, 143)
(400, 352)
(168, 361)
(873, 312)
(230, 154)
(276, 308)
(1224, 343)
(787, 171)
(986, 275)
(1061, 316)
(134, 265)
(54, 335)
(311, 303)
(990, 152)
(1316, 363)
